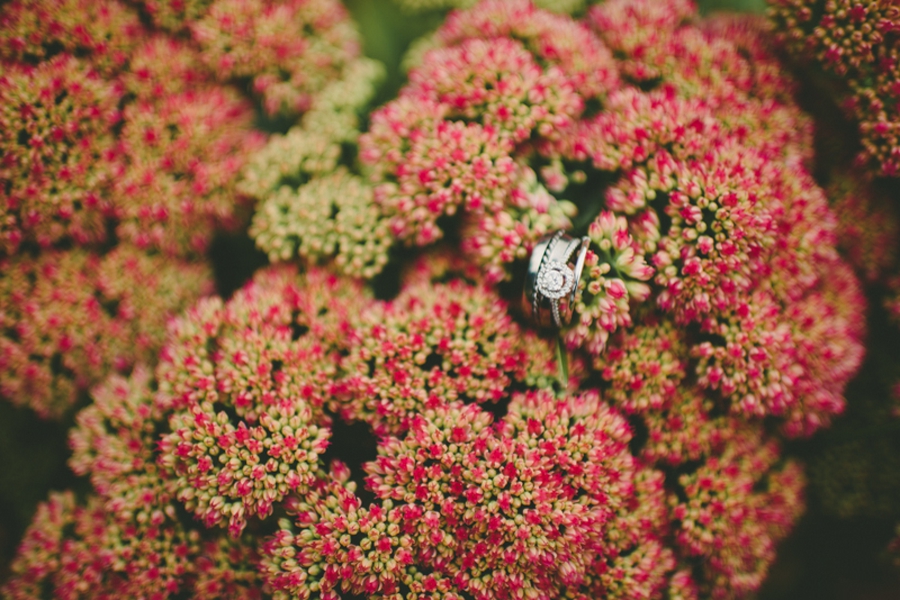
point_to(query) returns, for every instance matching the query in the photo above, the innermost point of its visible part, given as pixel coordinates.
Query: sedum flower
(127, 539)
(560, 6)
(258, 41)
(57, 153)
(316, 556)
(294, 157)
(102, 32)
(308, 205)
(72, 317)
(711, 214)
(632, 28)
(138, 138)
(714, 317)
(496, 240)
(683, 429)
(554, 40)
(162, 66)
(500, 83)
(682, 586)
(469, 510)
(449, 164)
(856, 43)
(440, 264)
(77, 550)
(791, 362)
(331, 216)
(645, 365)
(245, 383)
(730, 512)
(614, 275)
(314, 146)
(723, 58)
(506, 88)
(114, 443)
(436, 344)
(713, 205)
(183, 153)
(867, 226)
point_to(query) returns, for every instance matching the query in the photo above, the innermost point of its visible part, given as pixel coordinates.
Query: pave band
(551, 283)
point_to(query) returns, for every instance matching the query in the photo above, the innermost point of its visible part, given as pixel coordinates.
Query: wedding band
(551, 283)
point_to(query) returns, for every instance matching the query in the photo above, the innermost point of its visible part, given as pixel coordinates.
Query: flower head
(436, 344)
(867, 225)
(505, 88)
(57, 153)
(114, 442)
(162, 66)
(245, 383)
(443, 148)
(104, 32)
(183, 153)
(72, 317)
(331, 216)
(857, 44)
(79, 551)
(258, 39)
(514, 509)
(554, 40)
(737, 506)
(561, 6)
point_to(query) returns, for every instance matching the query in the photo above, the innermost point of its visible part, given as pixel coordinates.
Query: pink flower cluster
(435, 344)
(58, 153)
(286, 50)
(127, 540)
(858, 44)
(867, 225)
(712, 285)
(553, 496)
(83, 135)
(72, 317)
(112, 132)
(34, 30)
(252, 376)
(158, 445)
(503, 80)
(182, 153)
(727, 523)
(541, 503)
(714, 317)
(711, 216)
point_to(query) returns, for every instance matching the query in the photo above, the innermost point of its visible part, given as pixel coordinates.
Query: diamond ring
(551, 283)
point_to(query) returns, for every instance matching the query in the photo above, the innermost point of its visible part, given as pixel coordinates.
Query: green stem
(562, 362)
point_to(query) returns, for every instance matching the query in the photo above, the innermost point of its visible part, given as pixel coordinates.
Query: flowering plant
(371, 414)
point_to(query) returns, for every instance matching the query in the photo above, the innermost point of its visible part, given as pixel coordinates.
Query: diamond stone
(555, 280)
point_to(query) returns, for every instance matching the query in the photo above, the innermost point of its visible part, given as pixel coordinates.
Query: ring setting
(551, 283)
(555, 280)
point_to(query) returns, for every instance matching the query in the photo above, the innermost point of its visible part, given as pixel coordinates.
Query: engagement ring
(552, 280)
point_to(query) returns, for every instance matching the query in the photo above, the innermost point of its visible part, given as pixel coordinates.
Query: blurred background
(838, 550)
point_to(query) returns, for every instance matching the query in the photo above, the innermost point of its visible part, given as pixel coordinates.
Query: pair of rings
(552, 279)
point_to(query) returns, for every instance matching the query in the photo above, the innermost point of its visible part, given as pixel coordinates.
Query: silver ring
(552, 279)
